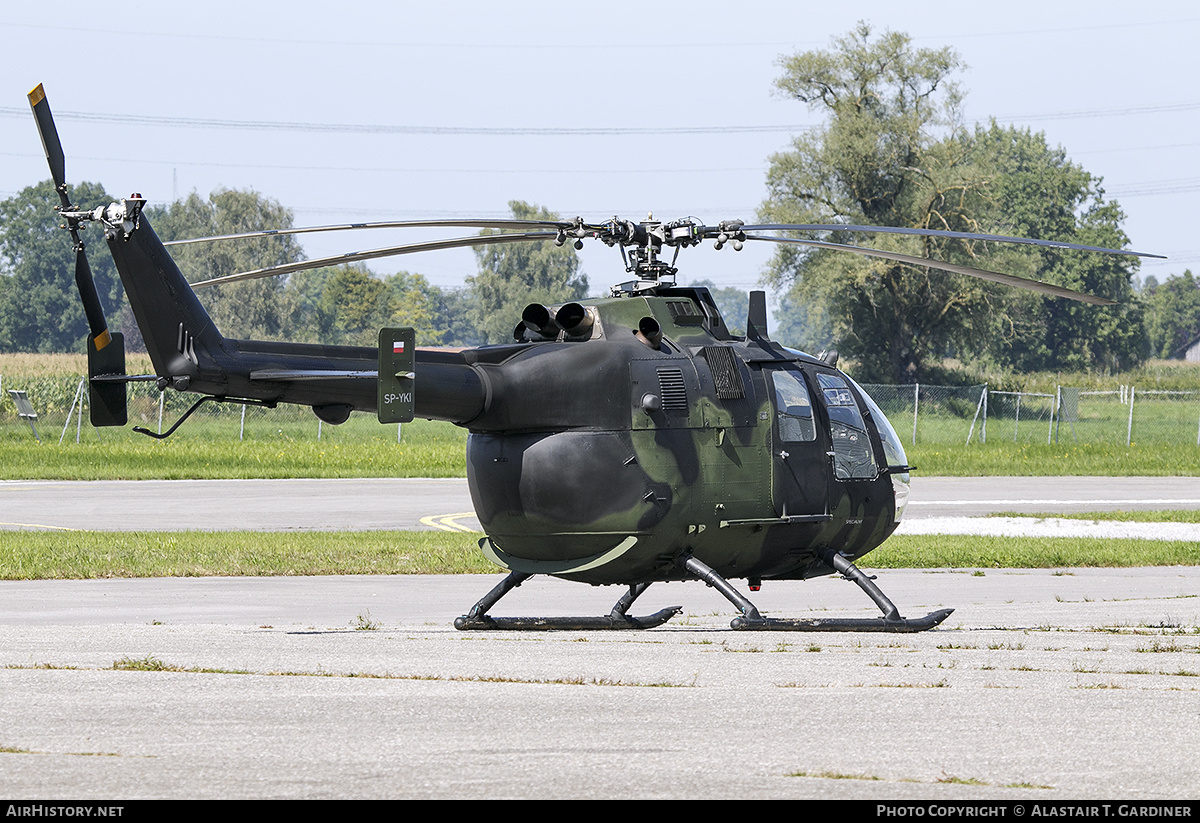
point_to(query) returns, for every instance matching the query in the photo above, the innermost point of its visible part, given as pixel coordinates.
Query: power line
(383, 128)
(657, 45)
(393, 169)
(535, 131)
(1172, 186)
(1124, 111)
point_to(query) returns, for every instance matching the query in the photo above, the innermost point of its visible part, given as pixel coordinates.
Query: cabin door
(800, 449)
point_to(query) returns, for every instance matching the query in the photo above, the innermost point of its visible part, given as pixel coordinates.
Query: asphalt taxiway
(418, 503)
(1043, 686)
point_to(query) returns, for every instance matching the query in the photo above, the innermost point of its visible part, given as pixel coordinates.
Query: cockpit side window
(793, 408)
(853, 456)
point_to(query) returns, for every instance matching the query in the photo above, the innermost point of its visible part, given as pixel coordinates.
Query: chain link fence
(920, 413)
(962, 414)
(62, 416)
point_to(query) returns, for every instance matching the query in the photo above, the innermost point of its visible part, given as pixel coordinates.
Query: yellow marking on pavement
(446, 522)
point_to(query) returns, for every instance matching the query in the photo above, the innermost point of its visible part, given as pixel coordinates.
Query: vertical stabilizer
(179, 334)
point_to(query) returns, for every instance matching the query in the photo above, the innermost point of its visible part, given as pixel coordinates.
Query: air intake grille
(726, 376)
(672, 389)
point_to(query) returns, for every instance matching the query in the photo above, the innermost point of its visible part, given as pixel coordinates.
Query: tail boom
(190, 354)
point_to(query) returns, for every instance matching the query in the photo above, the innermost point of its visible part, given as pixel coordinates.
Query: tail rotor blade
(50, 142)
(91, 300)
(58, 170)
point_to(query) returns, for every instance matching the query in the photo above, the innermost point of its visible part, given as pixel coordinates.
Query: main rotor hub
(646, 240)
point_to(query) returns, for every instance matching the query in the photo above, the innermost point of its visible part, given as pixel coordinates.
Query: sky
(395, 110)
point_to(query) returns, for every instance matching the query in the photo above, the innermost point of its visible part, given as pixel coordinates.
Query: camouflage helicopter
(622, 440)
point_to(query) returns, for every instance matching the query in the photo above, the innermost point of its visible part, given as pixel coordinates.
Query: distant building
(1191, 350)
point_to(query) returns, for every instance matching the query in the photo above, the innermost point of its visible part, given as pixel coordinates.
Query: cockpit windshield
(893, 451)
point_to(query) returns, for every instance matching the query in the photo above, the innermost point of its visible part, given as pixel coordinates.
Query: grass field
(80, 554)
(425, 449)
(363, 448)
(229, 441)
(290, 443)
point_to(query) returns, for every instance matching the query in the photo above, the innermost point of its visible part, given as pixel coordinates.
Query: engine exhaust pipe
(576, 320)
(538, 319)
(649, 332)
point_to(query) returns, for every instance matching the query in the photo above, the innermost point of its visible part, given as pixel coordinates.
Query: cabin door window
(853, 455)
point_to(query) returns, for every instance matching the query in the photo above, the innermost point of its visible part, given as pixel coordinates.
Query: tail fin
(179, 335)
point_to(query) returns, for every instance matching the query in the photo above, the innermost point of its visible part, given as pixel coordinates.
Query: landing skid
(478, 618)
(751, 620)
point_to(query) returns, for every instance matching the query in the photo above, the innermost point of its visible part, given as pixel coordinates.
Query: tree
(894, 152)
(261, 308)
(513, 275)
(1033, 190)
(354, 305)
(416, 303)
(39, 303)
(1172, 313)
(886, 156)
(455, 318)
(349, 305)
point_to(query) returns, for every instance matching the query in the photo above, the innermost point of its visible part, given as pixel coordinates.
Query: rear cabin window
(793, 408)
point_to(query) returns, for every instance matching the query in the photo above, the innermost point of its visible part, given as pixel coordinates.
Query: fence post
(1017, 420)
(79, 416)
(916, 402)
(161, 395)
(983, 428)
(1056, 411)
(1129, 428)
(74, 401)
(978, 408)
(242, 431)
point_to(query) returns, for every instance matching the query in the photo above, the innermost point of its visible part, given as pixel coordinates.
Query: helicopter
(621, 440)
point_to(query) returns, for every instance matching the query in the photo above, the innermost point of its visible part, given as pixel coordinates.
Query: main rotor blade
(49, 134)
(961, 235)
(996, 277)
(353, 257)
(393, 224)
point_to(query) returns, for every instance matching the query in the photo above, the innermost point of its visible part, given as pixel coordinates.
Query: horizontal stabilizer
(123, 378)
(312, 374)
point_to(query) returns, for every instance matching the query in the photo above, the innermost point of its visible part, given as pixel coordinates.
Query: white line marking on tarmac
(1185, 501)
(1051, 527)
